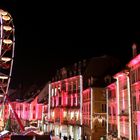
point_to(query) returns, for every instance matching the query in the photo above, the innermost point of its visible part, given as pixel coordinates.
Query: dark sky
(50, 38)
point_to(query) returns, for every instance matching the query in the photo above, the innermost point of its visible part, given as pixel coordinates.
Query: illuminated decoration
(6, 59)
(6, 18)
(3, 13)
(99, 118)
(3, 76)
(7, 41)
(7, 28)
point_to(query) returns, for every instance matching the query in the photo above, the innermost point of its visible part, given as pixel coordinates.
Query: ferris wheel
(7, 45)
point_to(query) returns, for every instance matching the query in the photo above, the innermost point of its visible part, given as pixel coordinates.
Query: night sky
(49, 38)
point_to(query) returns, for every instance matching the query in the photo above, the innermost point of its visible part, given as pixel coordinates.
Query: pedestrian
(65, 138)
(60, 135)
(69, 137)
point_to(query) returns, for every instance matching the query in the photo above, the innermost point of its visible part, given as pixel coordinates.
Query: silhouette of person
(69, 137)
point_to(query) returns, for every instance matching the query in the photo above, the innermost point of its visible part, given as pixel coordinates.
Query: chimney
(134, 49)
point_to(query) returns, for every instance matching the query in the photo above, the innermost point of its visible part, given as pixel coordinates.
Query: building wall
(134, 66)
(112, 111)
(94, 113)
(66, 106)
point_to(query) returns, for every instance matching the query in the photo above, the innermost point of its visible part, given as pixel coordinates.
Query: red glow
(111, 86)
(120, 75)
(138, 124)
(134, 61)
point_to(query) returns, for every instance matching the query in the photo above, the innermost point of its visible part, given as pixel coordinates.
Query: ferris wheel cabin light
(7, 28)
(6, 59)
(3, 13)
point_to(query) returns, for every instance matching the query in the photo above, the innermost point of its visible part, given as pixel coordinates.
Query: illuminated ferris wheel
(7, 45)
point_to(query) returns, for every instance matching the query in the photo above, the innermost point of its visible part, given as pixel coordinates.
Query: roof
(43, 95)
(100, 66)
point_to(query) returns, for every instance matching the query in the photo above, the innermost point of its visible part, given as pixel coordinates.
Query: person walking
(69, 137)
(65, 138)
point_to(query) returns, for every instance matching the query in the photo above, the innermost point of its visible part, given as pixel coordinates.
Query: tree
(8, 124)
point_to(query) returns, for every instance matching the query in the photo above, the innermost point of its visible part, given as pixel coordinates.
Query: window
(134, 103)
(109, 94)
(33, 107)
(74, 101)
(103, 108)
(139, 73)
(133, 77)
(34, 116)
(25, 108)
(59, 100)
(109, 110)
(21, 107)
(69, 88)
(64, 86)
(78, 100)
(52, 92)
(89, 108)
(114, 112)
(103, 123)
(69, 101)
(74, 87)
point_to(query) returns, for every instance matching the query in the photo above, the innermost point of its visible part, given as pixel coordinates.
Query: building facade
(66, 107)
(134, 66)
(111, 101)
(94, 113)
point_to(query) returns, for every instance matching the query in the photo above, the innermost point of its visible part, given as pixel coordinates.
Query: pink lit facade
(35, 110)
(27, 113)
(112, 111)
(121, 107)
(134, 66)
(124, 106)
(66, 107)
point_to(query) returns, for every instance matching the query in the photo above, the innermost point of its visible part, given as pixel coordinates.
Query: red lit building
(66, 107)
(134, 66)
(120, 108)
(126, 103)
